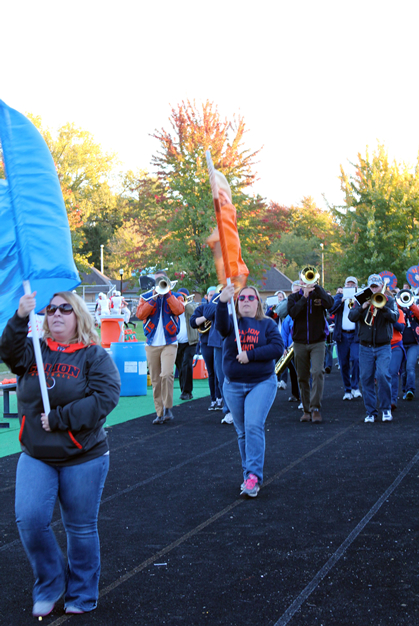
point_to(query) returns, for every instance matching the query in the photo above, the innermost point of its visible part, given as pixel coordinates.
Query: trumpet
(189, 298)
(309, 275)
(351, 302)
(377, 301)
(161, 288)
(282, 363)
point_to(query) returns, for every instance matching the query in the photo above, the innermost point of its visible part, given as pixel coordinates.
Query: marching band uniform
(398, 356)
(411, 346)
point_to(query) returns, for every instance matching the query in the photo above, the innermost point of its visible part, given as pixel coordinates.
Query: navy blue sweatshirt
(259, 338)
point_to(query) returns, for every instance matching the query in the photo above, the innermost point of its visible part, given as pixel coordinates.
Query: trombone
(377, 301)
(161, 288)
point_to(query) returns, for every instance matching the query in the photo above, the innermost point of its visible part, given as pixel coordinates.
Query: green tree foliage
(182, 216)
(308, 227)
(84, 171)
(380, 219)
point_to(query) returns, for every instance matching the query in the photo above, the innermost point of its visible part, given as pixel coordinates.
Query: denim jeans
(348, 356)
(397, 358)
(328, 356)
(250, 404)
(218, 364)
(375, 363)
(78, 489)
(409, 368)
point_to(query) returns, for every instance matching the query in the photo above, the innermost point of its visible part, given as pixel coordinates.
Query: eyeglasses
(64, 308)
(250, 298)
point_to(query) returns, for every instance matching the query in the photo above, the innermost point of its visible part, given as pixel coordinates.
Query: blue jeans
(348, 356)
(218, 364)
(375, 363)
(250, 404)
(397, 357)
(79, 489)
(409, 368)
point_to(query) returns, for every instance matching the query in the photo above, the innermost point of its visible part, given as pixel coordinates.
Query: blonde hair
(85, 329)
(260, 315)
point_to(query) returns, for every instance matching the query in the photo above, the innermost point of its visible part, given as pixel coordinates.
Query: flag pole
(38, 354)
(224, 252)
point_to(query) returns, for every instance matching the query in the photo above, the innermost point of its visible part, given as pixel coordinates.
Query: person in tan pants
(160, 315)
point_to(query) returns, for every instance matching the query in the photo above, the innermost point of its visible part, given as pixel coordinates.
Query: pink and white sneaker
(251, 486)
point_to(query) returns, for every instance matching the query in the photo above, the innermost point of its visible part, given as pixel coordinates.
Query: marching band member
(411, 346)
(286, 334)
(187, 341)
(198, 318)
(347, 343)
(159, 314)
(250, 381)
(271, 312)
(375, 330)
(307, 308)
(397, 356)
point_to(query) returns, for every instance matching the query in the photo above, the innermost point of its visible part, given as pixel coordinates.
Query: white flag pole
(38, 355)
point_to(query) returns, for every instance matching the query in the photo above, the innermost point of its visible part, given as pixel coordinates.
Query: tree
(84, 171)
(380, 218)
(182, 216)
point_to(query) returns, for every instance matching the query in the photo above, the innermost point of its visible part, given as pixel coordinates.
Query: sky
(316, 82)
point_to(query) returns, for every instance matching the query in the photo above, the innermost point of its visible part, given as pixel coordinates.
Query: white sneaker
(369, 418)
(282, 385)
(300, 406)
(387, 416)
(356, 393)
(347, 396)
(227, 419)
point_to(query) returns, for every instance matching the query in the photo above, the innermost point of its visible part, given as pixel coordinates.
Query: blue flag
(35, 242)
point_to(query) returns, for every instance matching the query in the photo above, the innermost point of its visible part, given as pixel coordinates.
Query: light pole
(101, 258)
(121, 273)
(322, 247)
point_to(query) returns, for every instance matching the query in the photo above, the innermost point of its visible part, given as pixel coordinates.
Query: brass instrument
(205, 327)
(309, 275)
(189, 298)
(161, 288)
(282, 363)
(351, 302)
(405, 298)
(377, 301)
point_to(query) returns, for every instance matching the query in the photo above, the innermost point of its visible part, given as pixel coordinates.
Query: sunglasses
(64, 308)
(250, 298)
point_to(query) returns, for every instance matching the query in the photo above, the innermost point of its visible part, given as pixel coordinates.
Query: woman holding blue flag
(65, 454)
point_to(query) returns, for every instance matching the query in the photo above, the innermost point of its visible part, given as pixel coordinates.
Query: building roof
(94, 277)
(274, 280)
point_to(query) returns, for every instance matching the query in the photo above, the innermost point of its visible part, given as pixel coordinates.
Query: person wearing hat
(347, 343)
(278, 314)
(375, 331)
(187, 338)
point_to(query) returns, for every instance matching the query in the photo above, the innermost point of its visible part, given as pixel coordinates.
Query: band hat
(184, 290)
(351, 279)
(375, 279)
(280, 291)
(296, 283)
(222, 183)
(211, 289)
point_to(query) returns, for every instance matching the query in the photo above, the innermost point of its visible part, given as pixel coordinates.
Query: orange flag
(224, 241)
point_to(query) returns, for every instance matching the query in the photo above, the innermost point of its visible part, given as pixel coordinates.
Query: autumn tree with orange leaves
(183, 216)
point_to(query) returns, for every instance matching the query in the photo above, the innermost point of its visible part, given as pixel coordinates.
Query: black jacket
(381, 331)
(309, 315)
(83, 388)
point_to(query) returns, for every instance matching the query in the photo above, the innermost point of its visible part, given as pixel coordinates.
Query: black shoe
(158, 420)
(327, 370)
(168, 415)
(186, 396)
